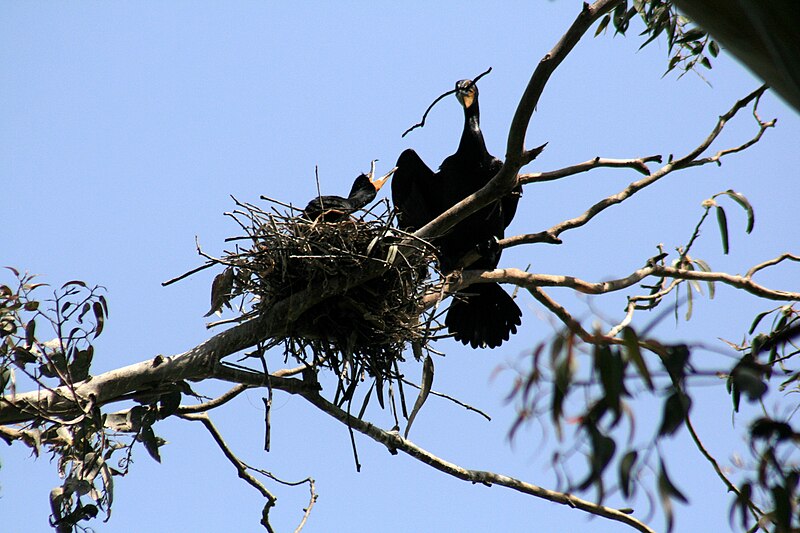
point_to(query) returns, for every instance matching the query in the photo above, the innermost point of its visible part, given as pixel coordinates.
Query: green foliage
(688, 45)
(597, 379)
(83, 441)
(592, 387)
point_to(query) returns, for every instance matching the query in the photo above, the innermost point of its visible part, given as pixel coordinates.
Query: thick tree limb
(197, 363)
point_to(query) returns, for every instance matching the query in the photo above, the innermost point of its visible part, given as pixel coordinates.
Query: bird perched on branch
(221, 289)
(482, 315)
(335, 208)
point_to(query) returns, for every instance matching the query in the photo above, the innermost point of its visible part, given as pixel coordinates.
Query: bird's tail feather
(483, 315)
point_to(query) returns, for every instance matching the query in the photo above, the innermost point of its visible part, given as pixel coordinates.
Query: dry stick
(771, 262)
(440, 98)
(241, 468)
(631, 307)
(452, 399)
(274, 201)
(564, 315)
(758, 514)
(311, 502)
(187, 274)
(213, 404)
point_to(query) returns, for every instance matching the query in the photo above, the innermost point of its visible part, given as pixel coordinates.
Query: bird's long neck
(472, 143)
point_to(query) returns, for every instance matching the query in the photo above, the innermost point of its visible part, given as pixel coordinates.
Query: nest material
(364, 328)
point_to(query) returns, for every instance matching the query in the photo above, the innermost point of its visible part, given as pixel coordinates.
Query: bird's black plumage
(334, 208)
(483, 314)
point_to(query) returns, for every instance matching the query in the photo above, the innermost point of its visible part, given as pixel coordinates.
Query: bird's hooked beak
(466, 92)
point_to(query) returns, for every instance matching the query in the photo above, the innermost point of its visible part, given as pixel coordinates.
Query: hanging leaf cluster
(688, 45)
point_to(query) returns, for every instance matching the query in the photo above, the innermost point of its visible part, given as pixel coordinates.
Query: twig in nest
(189, 273)
(441, 97)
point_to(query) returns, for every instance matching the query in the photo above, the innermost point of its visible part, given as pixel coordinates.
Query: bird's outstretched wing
(414, 191)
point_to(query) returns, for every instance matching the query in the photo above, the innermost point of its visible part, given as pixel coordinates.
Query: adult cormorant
(335, 208)
(483, 314)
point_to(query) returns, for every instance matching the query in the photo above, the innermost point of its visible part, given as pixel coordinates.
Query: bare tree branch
(639, 165)
(771, 262)
(213, 404)
(452, 399)
(528, 280)
(758, 514)
(394, 442)
(241, 468)
(689, 160)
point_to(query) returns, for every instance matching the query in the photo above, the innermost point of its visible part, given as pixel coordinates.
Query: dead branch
(771, 262)
(213, 404)
(241, 468)
(689, 160)
(639, 165)
(527, 280)
(758, 514)
(452, 399)
(394, 442)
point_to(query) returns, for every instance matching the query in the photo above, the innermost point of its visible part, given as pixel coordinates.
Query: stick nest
(360, 328)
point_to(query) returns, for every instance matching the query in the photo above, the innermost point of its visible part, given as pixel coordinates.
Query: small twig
(563, 315)
(353, 438)
(438, 99)
(452, 399)
(307, 511)
(187, 274)
(771, 262)
(233, 320)
(758, 514)
(274, 201)
(311, 486)
(692, 156)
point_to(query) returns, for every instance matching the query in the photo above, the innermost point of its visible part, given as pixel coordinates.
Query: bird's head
(467, 93)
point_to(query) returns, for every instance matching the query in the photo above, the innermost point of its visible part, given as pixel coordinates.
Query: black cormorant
(483, 314)
(334, 208)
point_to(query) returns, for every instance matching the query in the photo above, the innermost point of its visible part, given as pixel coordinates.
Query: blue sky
(126, 126)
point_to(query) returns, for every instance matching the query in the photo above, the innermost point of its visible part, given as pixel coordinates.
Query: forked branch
(692, 159)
